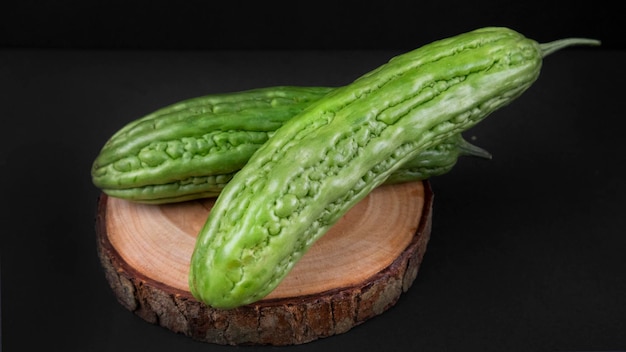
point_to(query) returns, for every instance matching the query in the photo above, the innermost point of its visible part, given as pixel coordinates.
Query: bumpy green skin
(197, 138)
(183, 171)
(435, 161)
(329, 157)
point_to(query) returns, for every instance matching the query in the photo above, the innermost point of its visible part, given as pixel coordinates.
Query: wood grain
(353, 273)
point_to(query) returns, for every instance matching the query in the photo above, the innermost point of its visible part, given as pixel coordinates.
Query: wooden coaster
(356, 271)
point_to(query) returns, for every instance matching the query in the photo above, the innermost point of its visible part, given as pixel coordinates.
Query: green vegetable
(208, 136)
(321, 162)
(186, 151)
(433, 162)
(437, 160)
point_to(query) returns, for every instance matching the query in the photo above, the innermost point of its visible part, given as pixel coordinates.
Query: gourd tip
(551, 47)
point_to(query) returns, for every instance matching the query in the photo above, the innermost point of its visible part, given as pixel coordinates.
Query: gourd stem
(469, 149)
(550, 47)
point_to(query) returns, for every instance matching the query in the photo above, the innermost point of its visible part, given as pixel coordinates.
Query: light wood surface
(354, 272)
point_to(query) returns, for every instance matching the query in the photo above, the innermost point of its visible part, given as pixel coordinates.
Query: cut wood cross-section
(355, 272)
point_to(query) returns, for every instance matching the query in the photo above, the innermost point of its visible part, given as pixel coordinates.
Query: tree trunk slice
(356, 271)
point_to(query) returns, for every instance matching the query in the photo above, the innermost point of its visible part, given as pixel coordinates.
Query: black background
(527, 249)
(337, 25)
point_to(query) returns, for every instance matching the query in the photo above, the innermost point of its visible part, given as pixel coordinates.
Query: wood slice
(355, 272)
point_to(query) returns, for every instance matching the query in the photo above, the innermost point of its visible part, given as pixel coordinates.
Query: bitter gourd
(210, 135)
(435, 161)
(184, 151)
(320, 163)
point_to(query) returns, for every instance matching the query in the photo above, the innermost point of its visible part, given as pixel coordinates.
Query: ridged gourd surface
(320, 163)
